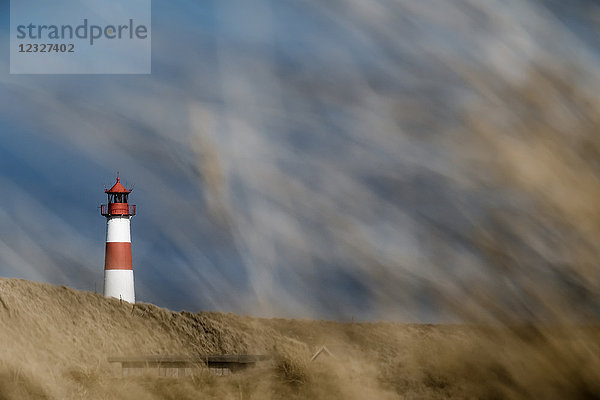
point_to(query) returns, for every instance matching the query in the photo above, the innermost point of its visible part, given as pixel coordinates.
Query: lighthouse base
(118, 283)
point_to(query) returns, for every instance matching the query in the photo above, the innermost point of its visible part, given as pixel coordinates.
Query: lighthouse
(118, 268)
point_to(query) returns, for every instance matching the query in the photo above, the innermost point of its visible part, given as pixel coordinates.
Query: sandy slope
(50, 333)
(56, 339)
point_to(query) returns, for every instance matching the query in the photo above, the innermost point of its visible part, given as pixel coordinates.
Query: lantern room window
(117, 197)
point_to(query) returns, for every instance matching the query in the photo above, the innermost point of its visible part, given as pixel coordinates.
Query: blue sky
(288, 158)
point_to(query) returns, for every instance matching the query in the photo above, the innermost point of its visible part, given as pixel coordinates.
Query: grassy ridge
(57, 339)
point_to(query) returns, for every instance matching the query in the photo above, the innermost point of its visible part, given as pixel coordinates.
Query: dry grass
(56, 341)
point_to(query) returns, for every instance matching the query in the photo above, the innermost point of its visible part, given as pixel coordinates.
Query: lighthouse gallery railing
(122, 209)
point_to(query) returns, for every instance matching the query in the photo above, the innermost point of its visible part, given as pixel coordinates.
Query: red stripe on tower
(118, 256)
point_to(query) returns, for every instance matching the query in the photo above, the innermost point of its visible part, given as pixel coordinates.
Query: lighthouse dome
(118, 188)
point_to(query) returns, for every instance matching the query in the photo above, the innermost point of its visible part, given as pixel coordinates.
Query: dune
(56, 341)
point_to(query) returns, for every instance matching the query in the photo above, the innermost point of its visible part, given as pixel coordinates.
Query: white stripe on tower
(118, 230)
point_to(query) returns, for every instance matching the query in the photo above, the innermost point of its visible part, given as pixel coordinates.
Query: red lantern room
(117, 201)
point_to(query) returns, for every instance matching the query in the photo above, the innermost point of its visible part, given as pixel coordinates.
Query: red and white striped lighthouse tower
(118, 268)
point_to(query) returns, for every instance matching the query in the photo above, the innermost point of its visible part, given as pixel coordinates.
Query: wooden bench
(181, 366)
